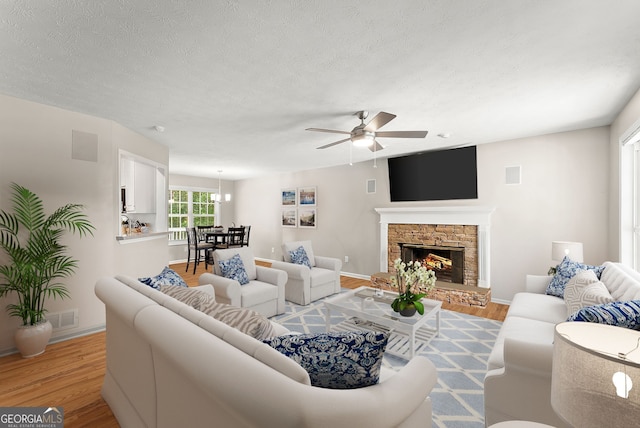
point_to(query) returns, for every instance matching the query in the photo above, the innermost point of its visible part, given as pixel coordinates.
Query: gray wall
(35, 152)
(564, 185)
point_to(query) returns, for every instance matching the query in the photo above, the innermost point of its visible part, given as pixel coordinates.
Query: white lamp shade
(590, 380)
(560, 249)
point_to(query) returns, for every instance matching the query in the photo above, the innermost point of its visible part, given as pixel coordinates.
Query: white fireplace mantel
(462, 215)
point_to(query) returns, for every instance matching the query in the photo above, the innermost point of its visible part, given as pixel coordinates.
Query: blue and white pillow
(233, 268)
(566, 270)
(621, 314)
(167, 277)
(299, 257)
(341, 360)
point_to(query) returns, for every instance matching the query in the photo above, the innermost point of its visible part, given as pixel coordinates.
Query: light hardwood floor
(70, 373)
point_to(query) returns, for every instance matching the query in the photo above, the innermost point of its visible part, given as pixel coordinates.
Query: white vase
(31, 340)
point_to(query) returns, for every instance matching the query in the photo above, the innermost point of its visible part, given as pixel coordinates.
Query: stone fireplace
(445, 230)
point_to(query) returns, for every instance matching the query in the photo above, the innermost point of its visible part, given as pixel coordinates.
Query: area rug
(459, 353)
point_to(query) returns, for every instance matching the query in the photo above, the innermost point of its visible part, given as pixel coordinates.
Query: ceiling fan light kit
(365, 135)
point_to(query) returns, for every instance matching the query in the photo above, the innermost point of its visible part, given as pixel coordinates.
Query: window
(629, 215)
(190, 208)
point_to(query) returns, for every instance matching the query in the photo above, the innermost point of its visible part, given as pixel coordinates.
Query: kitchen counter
(140, 236)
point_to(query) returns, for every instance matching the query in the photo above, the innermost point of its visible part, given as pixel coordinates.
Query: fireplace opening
(446, 262)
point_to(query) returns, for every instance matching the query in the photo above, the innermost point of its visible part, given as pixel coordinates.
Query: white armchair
(306, 285)
(265, 292)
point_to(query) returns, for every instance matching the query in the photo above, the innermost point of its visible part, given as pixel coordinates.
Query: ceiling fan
(365, 135)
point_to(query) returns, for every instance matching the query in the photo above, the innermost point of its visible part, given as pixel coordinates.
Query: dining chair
(201, 231)
(199, 249)
(247, 231)
(235, 237)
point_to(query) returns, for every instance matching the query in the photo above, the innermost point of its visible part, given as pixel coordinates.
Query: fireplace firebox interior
(446, 262)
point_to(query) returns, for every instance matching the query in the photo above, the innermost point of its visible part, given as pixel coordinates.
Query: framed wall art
(289, 198)
(307, 217)
(289, 217)
(307, 196)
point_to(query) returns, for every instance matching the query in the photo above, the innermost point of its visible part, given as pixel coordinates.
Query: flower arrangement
(413, 281)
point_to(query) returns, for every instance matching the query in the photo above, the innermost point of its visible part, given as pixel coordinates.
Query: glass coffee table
(365, 309)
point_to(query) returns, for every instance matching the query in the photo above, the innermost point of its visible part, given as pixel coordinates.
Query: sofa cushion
(193, 297)
(257, 292)
(341, 360)
(246, 320)
(291, 246)
(566, 270)
(583, 290)
(541, 307)
(321, 276)
(299, 257)
(167, 277)
(622, 281)
(233, 268)
(621, 314)
(514, 327)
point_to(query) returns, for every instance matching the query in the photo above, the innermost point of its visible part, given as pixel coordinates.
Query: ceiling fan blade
(331, 131)
(376, 147)
(333, 144)
(402, 134)
(380, 120)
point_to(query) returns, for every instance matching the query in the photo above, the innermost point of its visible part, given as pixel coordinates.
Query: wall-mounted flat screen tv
(434, 176)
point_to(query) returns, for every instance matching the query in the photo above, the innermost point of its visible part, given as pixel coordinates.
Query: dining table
(216, 236)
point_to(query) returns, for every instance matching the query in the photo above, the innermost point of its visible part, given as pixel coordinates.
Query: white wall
(35, 152)
(562, 197)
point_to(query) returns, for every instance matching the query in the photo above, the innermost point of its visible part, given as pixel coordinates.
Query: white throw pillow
(584, 289)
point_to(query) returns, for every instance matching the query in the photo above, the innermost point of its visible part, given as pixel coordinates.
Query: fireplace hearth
(446, 262)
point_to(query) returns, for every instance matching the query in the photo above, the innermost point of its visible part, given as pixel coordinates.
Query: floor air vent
(63, 320)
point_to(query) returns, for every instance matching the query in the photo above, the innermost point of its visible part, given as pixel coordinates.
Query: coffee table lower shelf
(399, 344)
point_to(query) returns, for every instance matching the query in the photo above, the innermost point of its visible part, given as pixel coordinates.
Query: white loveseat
(517, 385)
(170, 365)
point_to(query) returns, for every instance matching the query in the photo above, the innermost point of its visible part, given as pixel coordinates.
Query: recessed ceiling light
(159, 128)
(444, 135)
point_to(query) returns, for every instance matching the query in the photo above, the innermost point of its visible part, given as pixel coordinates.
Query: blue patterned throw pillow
(167, 277)
(341, 360)
(299, 257)
(566, 270)
(233, 268)
(621, 314)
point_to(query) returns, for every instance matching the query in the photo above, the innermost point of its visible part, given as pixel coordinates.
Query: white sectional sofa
(170, 365)
(517, 385)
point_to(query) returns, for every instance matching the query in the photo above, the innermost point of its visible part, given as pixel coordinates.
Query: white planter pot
(31, 340)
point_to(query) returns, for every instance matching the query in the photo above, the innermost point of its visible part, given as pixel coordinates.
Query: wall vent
(84, 146)
(512, 175)
(371, 186)
(63, 320)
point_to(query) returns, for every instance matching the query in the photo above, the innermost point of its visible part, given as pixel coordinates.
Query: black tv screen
(434, 176)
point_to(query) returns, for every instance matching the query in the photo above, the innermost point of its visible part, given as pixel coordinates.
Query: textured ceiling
(235, 83)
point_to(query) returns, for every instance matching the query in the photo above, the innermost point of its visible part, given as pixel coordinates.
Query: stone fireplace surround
(469, 225)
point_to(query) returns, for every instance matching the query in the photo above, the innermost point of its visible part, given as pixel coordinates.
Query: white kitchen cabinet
(139, 181)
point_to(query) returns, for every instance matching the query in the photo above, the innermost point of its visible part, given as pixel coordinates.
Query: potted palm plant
(38, 260)
(413, 281)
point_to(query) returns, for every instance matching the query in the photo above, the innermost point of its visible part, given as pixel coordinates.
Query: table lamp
(560, 249)
(595, 379)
